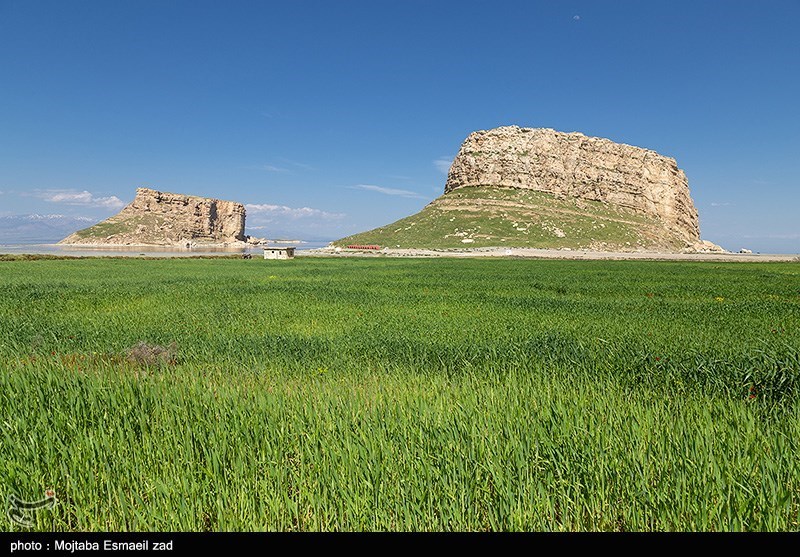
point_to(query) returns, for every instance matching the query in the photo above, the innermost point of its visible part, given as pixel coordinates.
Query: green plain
(402, 394)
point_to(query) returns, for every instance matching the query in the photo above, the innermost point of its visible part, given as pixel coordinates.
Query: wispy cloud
(443, 164)
(296, 164)
(273, 168)
(291, 212)
(719, 204)
(388, 191)
(272, 114)
(285, 165)
(576, 17)
(85, 198)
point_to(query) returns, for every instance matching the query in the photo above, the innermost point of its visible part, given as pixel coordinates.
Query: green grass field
(397, 394)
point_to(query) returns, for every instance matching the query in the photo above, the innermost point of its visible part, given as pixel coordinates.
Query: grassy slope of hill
(144, 229)
(118, 225)
(490, 216)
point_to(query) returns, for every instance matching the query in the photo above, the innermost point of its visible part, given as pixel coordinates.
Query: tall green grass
(380, 394)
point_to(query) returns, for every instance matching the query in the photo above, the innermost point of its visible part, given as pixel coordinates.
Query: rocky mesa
(540, 188)
(158, 218)
(579, 166)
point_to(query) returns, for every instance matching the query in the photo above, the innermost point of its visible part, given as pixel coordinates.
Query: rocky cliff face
(168, 219)
(196, 218)
(577, 166)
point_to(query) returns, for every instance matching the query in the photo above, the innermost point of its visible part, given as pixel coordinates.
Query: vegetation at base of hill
(486, 216)
(34, 257)
(51, 257)
(397, 394)
(142, 227)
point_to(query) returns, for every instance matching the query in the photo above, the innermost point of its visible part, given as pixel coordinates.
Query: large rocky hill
(168, 219)
(531, 187)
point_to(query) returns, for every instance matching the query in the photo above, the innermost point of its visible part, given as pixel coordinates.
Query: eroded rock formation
(168, 219)
(575, 165)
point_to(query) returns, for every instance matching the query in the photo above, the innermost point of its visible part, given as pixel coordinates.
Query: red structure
(363, 246)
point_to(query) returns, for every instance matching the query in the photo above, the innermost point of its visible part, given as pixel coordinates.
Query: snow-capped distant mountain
(39, 229)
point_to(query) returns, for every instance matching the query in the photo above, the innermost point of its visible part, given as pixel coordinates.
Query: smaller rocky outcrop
(156, 218)
(704, 246)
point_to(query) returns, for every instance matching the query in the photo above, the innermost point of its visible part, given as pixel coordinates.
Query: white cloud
(388, 191)
(79, 198)
(285, 165)
(443, 164)
(301, 165)
(576, 17)
(291, 212)
(273, 168)
(720, 204)
(72, 197)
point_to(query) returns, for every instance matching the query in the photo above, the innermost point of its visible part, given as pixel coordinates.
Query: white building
(278, 253)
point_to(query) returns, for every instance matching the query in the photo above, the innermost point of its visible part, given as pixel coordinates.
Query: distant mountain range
(39, 229)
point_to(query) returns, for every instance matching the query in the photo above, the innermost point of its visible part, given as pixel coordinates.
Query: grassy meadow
(401, 394)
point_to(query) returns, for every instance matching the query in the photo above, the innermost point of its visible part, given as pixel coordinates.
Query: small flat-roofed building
(274, 252)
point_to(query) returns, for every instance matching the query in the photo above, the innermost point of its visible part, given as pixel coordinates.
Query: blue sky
(329, 118)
